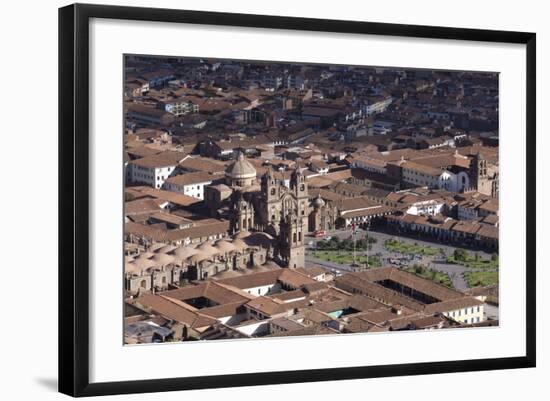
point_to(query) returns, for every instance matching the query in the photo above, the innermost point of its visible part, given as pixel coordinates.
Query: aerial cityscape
(270, 199)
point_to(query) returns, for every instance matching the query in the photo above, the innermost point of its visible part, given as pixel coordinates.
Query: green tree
(460, 254)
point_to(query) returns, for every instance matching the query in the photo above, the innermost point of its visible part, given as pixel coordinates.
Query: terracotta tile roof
(198, 177)
(453, 304)
(164, 159)
(174, 311)
(142, 151)
(169, 196)
(488, 231)
(211, 289)
(162, 235)
(203, 164)
(372, 211)
(253, 280)
(312, 271)
(307, 331)
(378, 317)
(376, 291)
(294, 279)
(428, 321)
(141, 206)
(267, 306)
(338, 175)
(427, 287)
(357, 203)
(421, 168)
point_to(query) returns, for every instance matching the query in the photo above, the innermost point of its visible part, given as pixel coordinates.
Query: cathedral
(277, 207)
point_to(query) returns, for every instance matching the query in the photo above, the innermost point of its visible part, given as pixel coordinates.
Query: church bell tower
(292, 240)
(294, 225)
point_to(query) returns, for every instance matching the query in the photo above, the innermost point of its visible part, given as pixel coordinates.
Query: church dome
(240, 169)
(318, 202)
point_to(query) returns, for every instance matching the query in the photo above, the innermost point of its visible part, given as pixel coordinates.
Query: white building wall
(466, 213)
(161, 174)
(365, 165)
(151, 176)
(420, 179)
(264, 290)
(473, 314)
(144, 175)
(426, 208)
(194, 190)
(262, 327)
(446, 180)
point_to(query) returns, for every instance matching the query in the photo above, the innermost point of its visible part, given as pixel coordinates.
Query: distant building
(154, 170)
(179, 107)
(148, 116)
(190, 184)
(375, 105)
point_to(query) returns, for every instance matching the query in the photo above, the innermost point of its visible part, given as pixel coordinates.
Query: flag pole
(353, 235)
(367, 241)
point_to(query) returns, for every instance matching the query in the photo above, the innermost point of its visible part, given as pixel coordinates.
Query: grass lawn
(345, 257)
(471, 262)
(481, 279)
(430, 274)
(410, 249)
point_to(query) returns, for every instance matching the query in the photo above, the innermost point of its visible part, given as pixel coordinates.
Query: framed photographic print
(250, 199)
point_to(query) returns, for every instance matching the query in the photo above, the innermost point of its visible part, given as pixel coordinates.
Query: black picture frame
(74, 202)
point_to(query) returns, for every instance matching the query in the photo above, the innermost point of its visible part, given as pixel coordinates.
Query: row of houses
(446, 229)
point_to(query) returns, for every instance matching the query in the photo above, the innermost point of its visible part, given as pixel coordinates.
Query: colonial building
(277, 207)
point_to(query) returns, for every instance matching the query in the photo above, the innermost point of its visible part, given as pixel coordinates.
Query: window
(143, 284)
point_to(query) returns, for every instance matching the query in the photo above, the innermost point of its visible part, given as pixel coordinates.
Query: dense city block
(282, 199)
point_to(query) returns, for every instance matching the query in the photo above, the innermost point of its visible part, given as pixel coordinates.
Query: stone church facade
(274, 208)
(284, 214)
